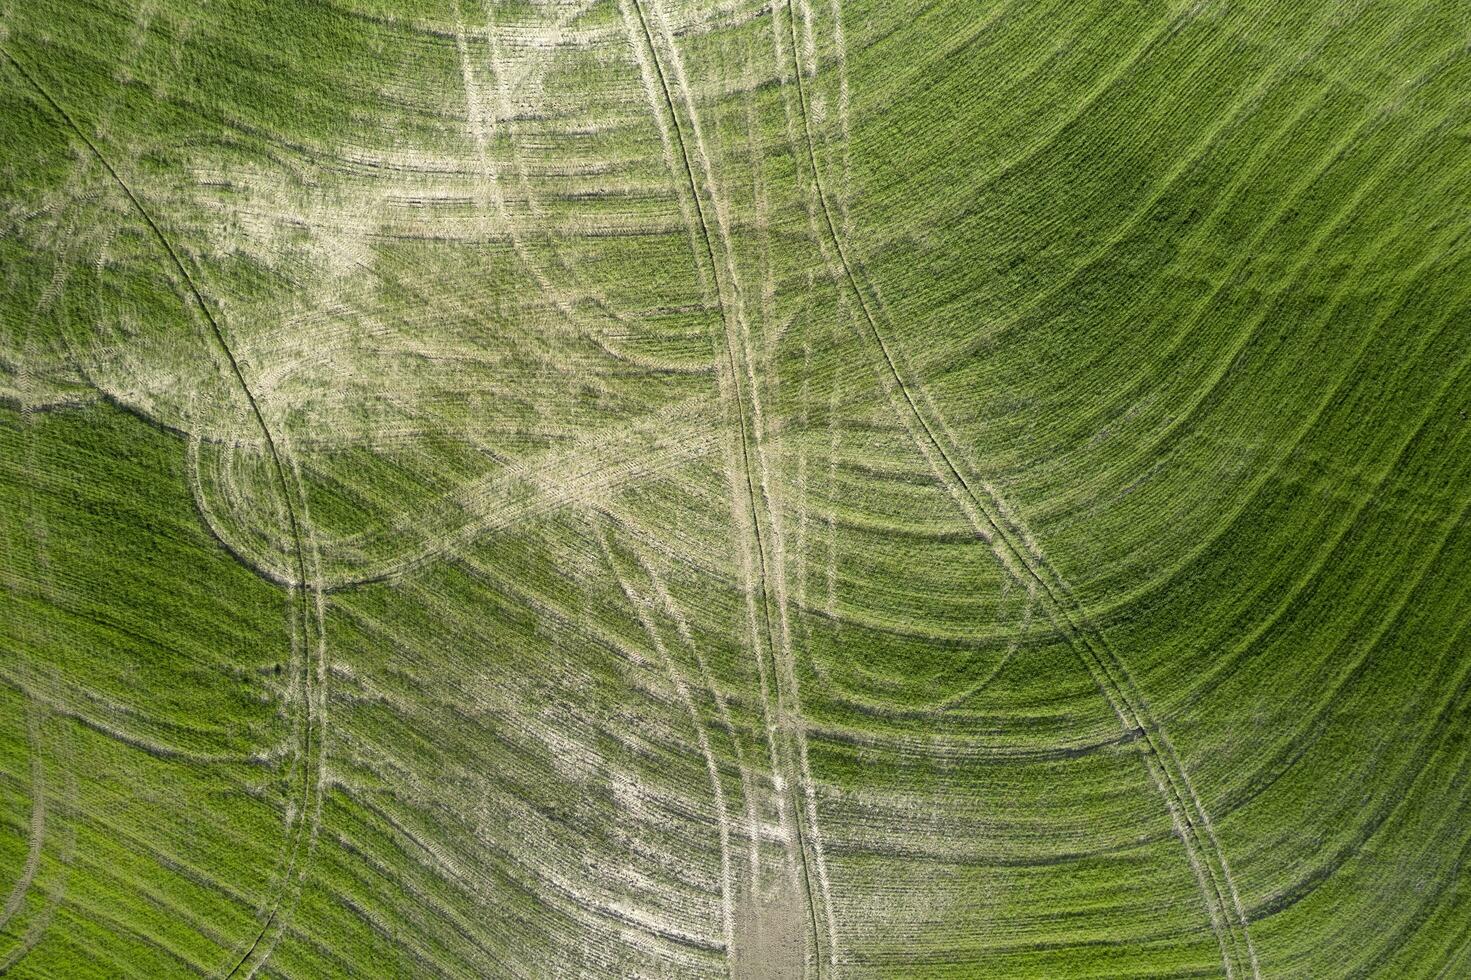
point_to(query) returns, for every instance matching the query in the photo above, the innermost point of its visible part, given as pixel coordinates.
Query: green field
(695, 488)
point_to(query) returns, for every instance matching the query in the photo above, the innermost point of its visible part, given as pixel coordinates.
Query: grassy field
(637, 488)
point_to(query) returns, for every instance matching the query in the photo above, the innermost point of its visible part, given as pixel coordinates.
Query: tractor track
(1014, 546)
(283, 486)
(753, 497)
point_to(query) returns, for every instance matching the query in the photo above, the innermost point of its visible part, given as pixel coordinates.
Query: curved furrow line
(1012, 647)
(1397, 797)
(1395, 943)
(643, 612)
(1013, 545)
(1282, 206)
(446, 866)
(1456, 960)
(1163, 737)
(847, 616)
(1203, 395)
(1085, 101)
(55, 897)
(595, 909)
(722, 707)
(737, 354)
(506, 84)
(1294, 748)
(221, 529)
(61, 708)
(1416, 277)
(96, 823)
(1179, 176)
(896, 627)
(1220, 671)
(85, 905)
(42, 828)
(283, 485)
(428, 956)
(899, 743)
(719, 14)
(587, 473)
(483, 118)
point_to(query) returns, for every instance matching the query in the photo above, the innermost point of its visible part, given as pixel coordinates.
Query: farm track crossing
(758, 488)
(285, 489)
(1193, 823)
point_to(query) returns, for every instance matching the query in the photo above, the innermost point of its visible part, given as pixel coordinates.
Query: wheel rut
(1018, 551)
(748, 426)
(310, 791)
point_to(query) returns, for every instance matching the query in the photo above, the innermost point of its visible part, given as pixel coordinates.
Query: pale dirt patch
(771, 932)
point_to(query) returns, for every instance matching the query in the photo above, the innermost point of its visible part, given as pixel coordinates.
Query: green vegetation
(631, 488)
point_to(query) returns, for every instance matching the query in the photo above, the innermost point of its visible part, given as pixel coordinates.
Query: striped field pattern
(752, 488)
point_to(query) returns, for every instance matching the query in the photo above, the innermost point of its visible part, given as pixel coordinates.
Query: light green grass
(817, 489)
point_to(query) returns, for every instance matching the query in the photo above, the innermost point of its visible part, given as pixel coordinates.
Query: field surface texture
(751, 488)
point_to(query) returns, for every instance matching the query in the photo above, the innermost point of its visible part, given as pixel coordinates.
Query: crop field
(735, 488)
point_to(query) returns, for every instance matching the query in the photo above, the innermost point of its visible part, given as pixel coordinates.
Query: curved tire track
(283, 486)
(1017, 550)
(634, 13)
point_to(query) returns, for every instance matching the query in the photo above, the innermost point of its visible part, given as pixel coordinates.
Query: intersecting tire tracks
(283, 486)
(1193, 823)
(752, 496)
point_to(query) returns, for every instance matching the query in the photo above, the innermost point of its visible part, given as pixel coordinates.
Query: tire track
(722, 706)
(581, 471)
(643, 611)
(844, 314)
(55, 894)
(506, 84)
(314, 696)
(483, 121)
(283, 486)
(1018, 551)
(738, 363)
(38, 532)
(37, 822)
